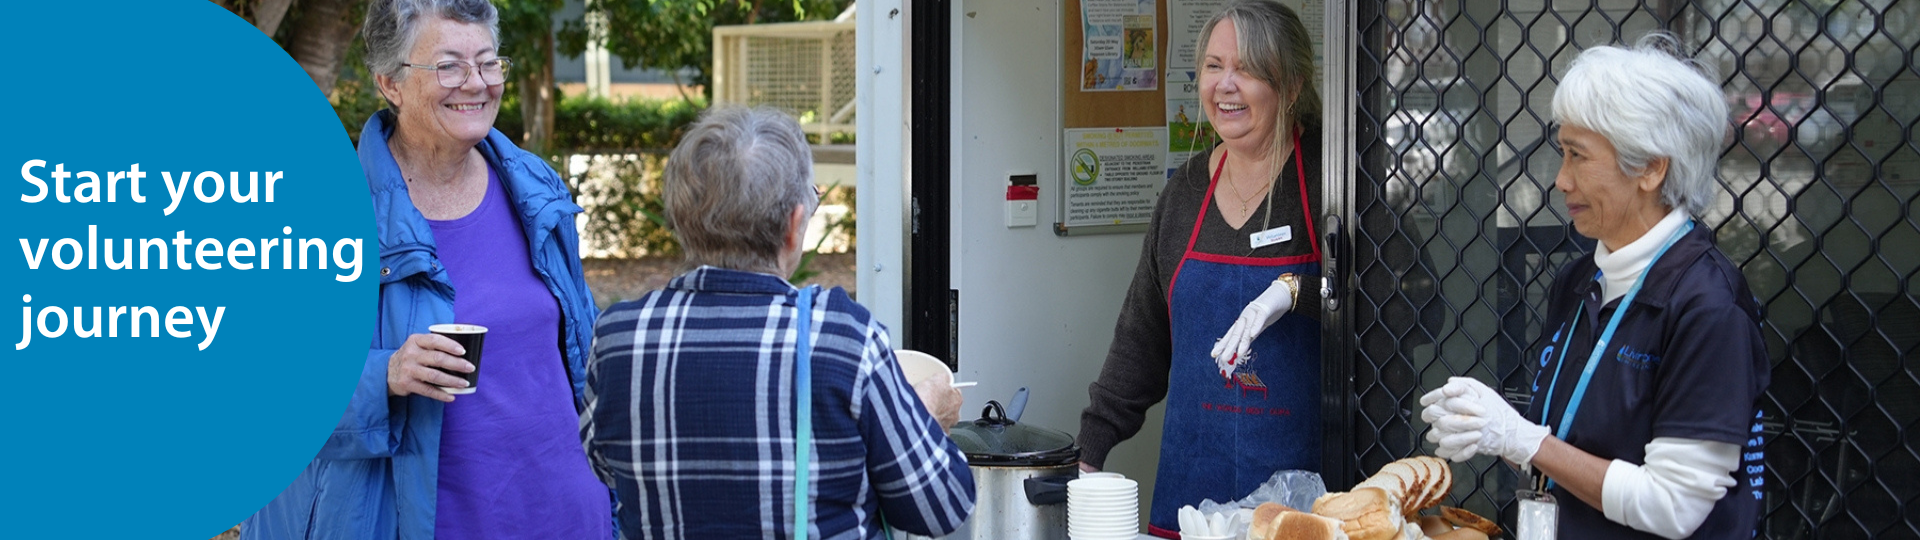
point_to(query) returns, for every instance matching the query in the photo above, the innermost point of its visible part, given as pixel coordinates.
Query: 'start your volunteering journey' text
(133, 248)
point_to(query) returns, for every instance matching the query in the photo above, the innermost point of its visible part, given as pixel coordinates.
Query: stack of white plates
(1103, 509)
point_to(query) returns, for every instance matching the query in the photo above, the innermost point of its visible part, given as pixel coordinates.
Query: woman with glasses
(476, 231)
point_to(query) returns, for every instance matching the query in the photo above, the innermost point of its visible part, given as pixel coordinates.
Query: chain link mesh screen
(1460, 230)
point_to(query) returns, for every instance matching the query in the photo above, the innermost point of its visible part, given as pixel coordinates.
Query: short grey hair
(392, 26)
(1651, 102)
(731, 184)
(1275, 47)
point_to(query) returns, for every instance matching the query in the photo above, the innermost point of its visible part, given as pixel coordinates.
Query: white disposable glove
(1230, 351)
(1470, 419)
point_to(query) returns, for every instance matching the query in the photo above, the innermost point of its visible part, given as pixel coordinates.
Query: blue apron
(1225, 437)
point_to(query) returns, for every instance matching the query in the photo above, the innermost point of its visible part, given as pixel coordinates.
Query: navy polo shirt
(1687, 361)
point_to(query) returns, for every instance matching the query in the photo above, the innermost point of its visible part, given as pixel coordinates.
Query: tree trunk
(537, 99)
(320, 39)
(267, 15)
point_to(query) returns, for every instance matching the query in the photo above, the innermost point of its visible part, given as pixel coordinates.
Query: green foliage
(594, 125)
(355, 96)
(625, 213)
(675, 34)
(524, 27)
(844, 225)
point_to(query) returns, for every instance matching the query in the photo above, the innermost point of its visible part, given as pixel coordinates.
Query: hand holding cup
(422, 365)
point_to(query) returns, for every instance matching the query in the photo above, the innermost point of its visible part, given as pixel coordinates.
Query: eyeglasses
(454, 73)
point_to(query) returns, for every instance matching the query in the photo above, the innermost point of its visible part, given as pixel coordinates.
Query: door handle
(1331, 282)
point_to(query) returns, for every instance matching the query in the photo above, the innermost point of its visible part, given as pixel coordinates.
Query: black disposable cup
(471, 337)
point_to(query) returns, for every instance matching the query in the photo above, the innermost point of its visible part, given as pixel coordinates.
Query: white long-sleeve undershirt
(1672, 494)
(1674, 491)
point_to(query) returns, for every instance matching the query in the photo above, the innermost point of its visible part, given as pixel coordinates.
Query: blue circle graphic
(251, 350)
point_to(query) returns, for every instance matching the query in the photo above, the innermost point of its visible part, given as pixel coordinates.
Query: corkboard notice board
(1096, 109)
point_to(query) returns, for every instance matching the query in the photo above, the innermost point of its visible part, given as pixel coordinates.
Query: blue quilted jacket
(376, 477)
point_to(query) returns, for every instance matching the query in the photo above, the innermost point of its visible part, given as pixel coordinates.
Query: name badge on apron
(1271, 236)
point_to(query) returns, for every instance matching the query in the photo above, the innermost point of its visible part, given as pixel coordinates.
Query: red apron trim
(1162, 533)
(1306, 205)
(1306, 208)
(1255, 261)
(1204, 203)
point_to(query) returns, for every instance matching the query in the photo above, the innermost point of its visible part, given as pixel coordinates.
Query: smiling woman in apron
(1216, 320)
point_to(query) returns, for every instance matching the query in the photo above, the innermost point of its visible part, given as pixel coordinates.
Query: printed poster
(1118, 51)
(1114, 175)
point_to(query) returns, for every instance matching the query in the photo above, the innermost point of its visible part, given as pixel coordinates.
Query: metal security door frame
(1338, 161)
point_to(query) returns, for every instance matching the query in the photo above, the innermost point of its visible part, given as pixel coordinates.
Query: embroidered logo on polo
(1636, 360)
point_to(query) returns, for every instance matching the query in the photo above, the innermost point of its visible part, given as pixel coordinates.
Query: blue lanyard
(1599, 347)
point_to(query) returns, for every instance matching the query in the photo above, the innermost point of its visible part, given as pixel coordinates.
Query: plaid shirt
(689, 417)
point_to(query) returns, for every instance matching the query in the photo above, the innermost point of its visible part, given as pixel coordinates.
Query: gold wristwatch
(1293, 286)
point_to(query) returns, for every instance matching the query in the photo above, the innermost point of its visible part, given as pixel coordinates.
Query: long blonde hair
(1274, 47)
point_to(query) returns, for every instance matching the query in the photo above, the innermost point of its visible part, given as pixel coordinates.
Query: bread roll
(1303, 526)
(1462, 534)
(1265, 517)
(1465, 519)
(1367, 513)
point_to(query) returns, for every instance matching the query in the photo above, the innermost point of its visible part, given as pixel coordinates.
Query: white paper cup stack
(1103, 509)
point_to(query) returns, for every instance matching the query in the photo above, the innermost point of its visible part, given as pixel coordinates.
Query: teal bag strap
(803, 411)
(803, 441)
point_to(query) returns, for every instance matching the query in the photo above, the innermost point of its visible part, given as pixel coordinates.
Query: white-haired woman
(1649, 383)
(460, 210)
(693, 389)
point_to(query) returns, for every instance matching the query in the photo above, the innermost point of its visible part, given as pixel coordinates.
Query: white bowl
(1096, 516)
(1102, 484)
(1103, 494)
(1102, 474)
(1103, 502)
(1074, 498)
(1118, 528)
(1117, 534)
(1089, 516)
(919, 366)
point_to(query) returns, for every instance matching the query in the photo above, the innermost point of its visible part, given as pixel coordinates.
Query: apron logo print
(1248, 382)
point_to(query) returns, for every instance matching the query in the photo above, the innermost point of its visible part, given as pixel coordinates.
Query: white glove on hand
(1258, 315)
(1470, 419)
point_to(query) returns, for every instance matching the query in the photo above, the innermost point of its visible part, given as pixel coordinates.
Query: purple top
(511, 464)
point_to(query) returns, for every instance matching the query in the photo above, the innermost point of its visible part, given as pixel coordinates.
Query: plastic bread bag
(1294, 488)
